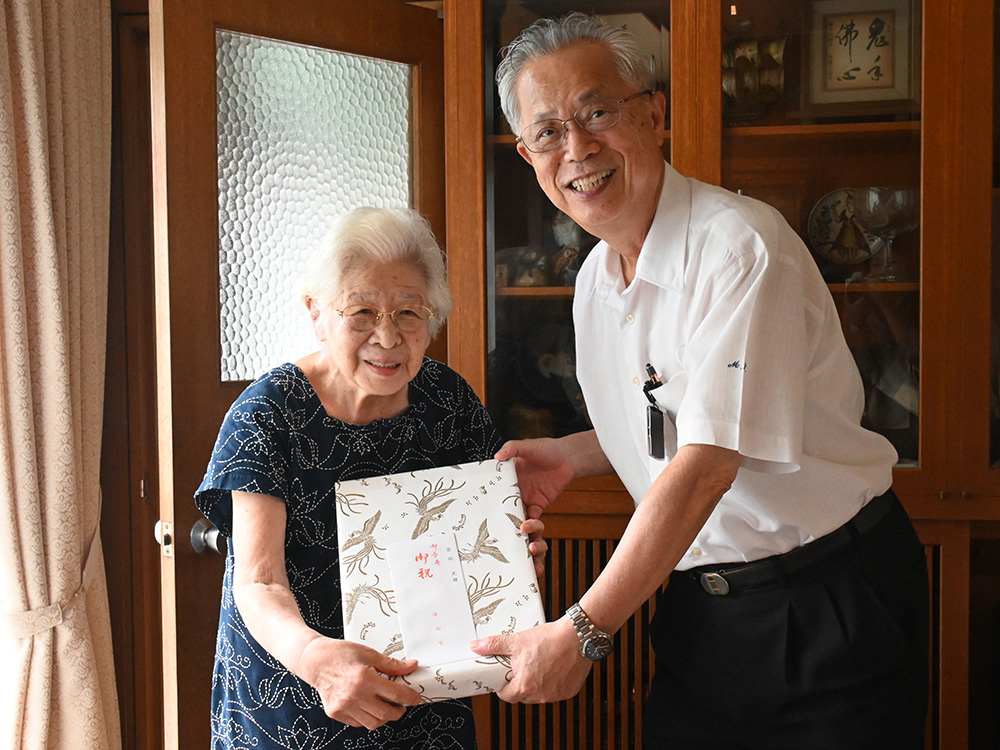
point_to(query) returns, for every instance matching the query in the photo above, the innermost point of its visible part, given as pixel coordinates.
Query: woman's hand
(350, 677)
(538, 548)
(351, 681)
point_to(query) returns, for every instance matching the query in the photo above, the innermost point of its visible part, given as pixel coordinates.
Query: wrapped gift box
(430, 560)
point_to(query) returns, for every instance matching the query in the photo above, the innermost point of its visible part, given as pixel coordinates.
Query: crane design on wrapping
(423, 552)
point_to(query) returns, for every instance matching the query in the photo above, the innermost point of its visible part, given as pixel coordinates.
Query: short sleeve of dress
(250, 454)
(481, 435)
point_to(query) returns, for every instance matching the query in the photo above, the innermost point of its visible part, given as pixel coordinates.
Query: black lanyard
(654, 416)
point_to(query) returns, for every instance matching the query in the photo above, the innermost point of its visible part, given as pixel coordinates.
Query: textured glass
(304, 135)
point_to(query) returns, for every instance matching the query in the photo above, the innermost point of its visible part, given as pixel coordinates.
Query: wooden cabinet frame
(955, 485)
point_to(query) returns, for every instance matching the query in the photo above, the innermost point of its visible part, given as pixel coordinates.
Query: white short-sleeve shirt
(730, 309)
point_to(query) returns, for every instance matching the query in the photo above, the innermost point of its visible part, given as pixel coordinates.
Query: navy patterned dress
(278, 440)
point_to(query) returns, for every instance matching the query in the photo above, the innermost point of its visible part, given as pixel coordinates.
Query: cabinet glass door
(822, 120)
(533, 251)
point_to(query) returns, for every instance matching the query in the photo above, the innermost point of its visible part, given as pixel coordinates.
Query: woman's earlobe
(313, 308)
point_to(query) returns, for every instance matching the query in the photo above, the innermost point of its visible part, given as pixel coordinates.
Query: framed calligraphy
(863, 58)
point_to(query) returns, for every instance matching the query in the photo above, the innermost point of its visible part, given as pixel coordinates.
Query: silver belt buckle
(714, 584)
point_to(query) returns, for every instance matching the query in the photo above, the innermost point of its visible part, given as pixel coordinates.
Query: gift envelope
(431, 560)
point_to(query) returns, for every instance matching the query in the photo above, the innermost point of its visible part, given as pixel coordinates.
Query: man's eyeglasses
(592, 118)
(407, 318)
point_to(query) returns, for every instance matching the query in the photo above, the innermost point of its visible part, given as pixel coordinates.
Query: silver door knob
(205, 536)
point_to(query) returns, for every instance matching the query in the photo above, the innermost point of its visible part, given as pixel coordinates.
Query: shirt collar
(664, 251)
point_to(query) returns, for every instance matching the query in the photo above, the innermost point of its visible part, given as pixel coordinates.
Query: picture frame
(862, 58)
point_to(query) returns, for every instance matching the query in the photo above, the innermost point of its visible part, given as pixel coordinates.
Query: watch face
(598, 646)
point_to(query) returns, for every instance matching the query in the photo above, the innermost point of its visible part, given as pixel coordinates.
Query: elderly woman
(367, 403)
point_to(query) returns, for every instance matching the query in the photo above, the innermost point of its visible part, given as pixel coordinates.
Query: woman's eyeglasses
(407, 318)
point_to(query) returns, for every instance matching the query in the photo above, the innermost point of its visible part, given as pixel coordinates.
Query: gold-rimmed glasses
(594, 117)
(407, 318)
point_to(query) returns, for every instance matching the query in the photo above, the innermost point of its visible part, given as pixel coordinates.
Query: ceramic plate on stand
(835, 234)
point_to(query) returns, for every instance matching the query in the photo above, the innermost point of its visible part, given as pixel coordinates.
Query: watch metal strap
(595, 644)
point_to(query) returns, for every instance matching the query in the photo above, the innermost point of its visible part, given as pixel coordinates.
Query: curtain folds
(55, 134)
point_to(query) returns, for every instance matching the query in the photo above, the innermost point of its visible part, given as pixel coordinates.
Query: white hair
(379, 235)
(547, 36)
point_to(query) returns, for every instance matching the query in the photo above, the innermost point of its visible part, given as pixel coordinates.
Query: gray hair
(547, 36)
(379, 235)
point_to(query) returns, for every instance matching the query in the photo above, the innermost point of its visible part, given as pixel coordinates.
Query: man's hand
(546, 662)
(544, 469)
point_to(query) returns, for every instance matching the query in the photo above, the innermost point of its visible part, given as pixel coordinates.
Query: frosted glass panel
(304, 135)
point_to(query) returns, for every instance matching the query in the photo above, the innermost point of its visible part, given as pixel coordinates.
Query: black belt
(722, 581)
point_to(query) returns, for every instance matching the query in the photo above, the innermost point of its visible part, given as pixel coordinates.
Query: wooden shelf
(535, 291)
(840, 128)
(876, 286)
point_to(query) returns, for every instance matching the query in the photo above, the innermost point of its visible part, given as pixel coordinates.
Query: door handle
(205, 536)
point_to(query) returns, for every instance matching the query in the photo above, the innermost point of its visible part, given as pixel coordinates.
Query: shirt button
(695, 552)
(636, 381)
(630, 318)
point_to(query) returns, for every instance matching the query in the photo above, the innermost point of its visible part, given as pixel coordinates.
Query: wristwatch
(595, 644)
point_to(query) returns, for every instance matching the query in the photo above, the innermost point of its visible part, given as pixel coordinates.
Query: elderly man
(723, 394)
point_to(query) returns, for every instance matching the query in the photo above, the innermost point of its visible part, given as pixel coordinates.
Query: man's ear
(659, 103)
(525, 154)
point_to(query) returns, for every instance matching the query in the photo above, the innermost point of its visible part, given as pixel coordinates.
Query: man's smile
(583, 184)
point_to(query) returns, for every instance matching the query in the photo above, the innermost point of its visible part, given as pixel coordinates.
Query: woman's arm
(348, 676)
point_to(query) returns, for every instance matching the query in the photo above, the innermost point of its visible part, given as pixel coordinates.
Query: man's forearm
(660, 532)
(586, 454)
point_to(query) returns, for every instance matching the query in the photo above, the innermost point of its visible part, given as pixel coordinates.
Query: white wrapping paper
(476, 509)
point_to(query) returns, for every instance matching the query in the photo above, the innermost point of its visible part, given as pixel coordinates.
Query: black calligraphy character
(875, 36)
(875, 71)
(849, 74)
(846, 36)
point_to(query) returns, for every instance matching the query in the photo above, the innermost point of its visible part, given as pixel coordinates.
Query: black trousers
(831, 657)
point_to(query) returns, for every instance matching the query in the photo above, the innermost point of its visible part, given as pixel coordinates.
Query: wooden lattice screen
(607, 714)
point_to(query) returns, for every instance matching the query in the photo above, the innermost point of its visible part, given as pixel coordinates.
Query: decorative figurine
(568, 235)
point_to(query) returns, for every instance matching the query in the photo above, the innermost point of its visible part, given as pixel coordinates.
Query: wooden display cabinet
(928, 359)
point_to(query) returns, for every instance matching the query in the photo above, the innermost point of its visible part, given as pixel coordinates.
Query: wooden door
(191, 398)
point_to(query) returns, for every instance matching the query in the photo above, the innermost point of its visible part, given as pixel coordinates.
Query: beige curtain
(58, 686)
